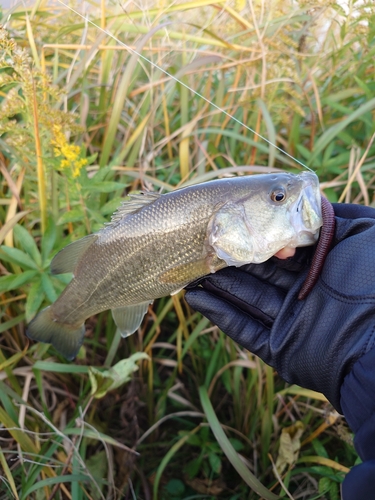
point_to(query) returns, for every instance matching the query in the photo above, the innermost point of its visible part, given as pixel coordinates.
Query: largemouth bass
(156, 244)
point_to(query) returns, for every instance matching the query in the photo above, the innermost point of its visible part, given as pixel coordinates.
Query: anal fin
(129, 318)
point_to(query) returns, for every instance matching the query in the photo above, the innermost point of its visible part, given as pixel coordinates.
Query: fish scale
(158, 244)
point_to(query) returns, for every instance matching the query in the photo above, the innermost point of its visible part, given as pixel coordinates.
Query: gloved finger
(242, 328)
(254, 297)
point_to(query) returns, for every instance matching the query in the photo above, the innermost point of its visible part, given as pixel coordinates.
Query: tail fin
(67, 339)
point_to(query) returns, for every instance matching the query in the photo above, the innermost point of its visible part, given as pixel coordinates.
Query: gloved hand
(314, 342)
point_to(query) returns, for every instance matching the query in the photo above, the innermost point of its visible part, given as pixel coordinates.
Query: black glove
(314, 342)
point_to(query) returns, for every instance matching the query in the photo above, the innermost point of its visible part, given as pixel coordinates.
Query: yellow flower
(70, 152)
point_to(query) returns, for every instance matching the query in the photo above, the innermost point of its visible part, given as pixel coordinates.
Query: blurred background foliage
(178, 410)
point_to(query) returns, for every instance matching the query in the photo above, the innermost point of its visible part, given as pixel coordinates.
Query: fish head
(272, 212)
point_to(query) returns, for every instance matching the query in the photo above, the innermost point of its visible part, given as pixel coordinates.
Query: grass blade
(168, 458)
(10, 224)
(8, 474)
(72, 478)
(229, 451)
(333, 131)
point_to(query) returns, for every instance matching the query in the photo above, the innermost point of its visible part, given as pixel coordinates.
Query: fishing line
(133, 51)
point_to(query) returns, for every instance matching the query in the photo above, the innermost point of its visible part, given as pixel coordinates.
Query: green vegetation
(82, 122)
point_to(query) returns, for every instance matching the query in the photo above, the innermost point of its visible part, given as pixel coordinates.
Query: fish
(157, 244)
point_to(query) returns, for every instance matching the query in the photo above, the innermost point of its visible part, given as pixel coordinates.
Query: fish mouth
(306, 212)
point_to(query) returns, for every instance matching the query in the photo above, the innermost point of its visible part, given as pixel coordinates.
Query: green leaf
(193, 467)
(111, 205)
(236, 443)
(50, 366)
(12, 322)
(48, 241)
(74, 215)
(215, 462)
(48, 288)
(319, 448)
(324, 484)
(55, 480)
(195, 440)
(27, 243)
(117, 375)
(175, 487)
(100, 176)
(104, 186)
(16, 256)
(97, 465)
(14, 281)
(34, 300)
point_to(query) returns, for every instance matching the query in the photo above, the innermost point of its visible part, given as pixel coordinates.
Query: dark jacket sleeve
(358, 405)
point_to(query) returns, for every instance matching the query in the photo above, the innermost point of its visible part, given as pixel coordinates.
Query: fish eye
(278, 195)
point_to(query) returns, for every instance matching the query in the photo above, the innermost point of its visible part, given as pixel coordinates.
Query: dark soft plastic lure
(326, 236)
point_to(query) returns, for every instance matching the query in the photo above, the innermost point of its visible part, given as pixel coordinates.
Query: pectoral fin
(186, 273)
(129, 318)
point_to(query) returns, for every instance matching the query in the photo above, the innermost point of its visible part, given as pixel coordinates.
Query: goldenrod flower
(70, 152)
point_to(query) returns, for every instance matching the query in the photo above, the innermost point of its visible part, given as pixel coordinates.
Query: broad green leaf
(97, 465)
(34, 300)
(236, 443)
(117, 375)
(14, 281)
(16, 256)
(48, 288)
(215, 462)
(74, 215)
(27, 243)
(111, 206)
(104, 187)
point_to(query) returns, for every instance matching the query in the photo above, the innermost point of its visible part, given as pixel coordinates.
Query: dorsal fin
(132, 204)
(66, 260)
